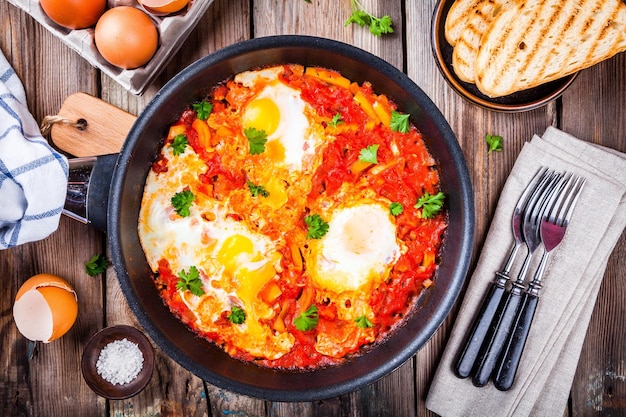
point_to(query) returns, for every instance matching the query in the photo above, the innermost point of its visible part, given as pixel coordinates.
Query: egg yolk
(232, 250)
(261, 114)
(251, 270)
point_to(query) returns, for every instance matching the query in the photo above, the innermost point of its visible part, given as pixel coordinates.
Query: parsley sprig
(190, 281)
(378, 25)
(430, 204)
(257, 140)
(336, 121)
(202, 109)
(182, 202)
(237, 315)
(308, 319)
(96, 265)
(399, 122)
(317, 227)
(256, 190)
(369, 154)
(396, 208)
(179, 143)
(494, 142)
(363, 322)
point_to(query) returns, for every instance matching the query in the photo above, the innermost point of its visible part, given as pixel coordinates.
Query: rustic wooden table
(50, 384)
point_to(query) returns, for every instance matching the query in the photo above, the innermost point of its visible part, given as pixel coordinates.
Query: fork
(553, 227)
(503, 319)
(490, 303)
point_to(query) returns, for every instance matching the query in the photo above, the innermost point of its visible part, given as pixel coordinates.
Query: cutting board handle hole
(81, 124)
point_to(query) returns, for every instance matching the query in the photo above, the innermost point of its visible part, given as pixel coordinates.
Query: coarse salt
(120, 362)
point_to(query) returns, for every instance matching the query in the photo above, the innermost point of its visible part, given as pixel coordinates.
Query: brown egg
(45, 308)
(163, 6)
(74, 14)
(126, 37)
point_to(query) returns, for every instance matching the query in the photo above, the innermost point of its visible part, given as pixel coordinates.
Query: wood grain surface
(50, 384)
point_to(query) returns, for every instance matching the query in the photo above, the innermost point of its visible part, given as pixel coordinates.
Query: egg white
(295, 132)
(231, 274)
(358, 251)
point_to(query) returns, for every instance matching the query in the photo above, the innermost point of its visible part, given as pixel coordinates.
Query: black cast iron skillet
(202, 357)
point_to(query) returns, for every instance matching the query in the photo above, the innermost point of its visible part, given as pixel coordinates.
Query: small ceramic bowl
(518, 102)
(91, 354)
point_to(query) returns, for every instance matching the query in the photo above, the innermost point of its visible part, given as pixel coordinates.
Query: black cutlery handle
(476, 336)
(497, 335)
(510, 358)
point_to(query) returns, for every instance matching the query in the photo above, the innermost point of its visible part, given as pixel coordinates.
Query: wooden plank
(488, 171)
(304, 18)
(599, 387)
(50, 383)
(173, 390)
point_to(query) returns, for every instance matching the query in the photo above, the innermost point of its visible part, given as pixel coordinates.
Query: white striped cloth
(33, 177)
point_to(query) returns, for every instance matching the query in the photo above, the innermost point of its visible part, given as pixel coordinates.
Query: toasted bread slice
(457, 18)
(468, 42)
(534, 42)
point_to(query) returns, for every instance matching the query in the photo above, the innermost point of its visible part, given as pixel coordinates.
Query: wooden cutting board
(105, 126)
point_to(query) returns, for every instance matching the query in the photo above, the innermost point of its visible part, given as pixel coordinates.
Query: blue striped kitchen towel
(33, 176)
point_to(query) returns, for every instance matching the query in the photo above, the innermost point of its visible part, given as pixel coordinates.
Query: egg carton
(173, 30)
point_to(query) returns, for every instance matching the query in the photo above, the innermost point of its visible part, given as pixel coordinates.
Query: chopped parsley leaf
(96, 265)
(190, 281)
(399, 122)
(308, 319)
(179, 144)
(317, 227)
(430, 204)
(203, 109)
(256, 139)
(494, 142)
(237, 315)
(256, 190)
(396, 209)
(369, 154)
(182, 202)
(336, 121)
(363, 322)
(377, 25)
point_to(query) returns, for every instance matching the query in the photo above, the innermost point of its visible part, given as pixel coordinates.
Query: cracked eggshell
(163, 6)
(45, 308)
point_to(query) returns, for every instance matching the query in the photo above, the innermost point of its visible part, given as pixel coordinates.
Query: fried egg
(280, 112)
(358, 251)
(346, 264)
(235, 262)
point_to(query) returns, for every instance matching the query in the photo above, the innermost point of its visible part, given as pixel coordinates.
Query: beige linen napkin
(571, 283)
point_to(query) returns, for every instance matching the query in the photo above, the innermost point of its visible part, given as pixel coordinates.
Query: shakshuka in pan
(293, 217)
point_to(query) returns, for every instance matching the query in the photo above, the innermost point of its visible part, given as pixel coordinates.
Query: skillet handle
(88, 188)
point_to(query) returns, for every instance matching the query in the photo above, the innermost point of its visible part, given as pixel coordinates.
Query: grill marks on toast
(468, 43)
(583, 33)
(517, 49)
(529, 42)
(457, 18)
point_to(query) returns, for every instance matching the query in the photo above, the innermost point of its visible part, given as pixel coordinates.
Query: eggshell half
(164, 6)
(45, 308)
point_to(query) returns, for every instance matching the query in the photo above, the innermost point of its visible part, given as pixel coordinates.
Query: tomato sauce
(404, 172)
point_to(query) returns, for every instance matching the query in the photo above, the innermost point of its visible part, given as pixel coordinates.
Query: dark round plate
(517, 102)
(92, 351)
